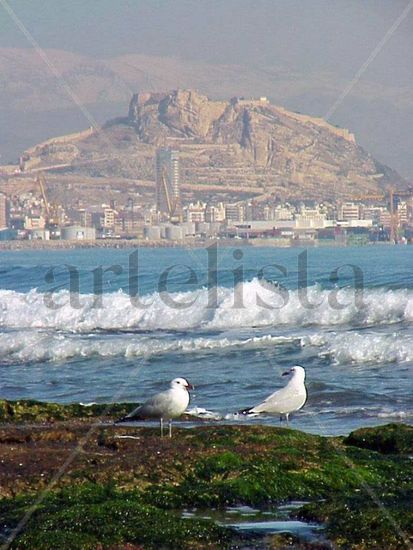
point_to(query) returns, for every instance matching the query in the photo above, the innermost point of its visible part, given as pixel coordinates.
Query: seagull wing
(156, 407)
(282, 401)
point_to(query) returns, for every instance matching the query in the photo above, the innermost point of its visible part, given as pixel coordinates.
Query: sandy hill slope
(249, 144)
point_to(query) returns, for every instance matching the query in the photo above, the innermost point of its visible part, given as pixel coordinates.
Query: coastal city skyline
(385, 217)
(182, 168)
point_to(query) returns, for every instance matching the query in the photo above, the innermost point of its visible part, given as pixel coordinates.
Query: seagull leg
(170, 427)
(161, 421)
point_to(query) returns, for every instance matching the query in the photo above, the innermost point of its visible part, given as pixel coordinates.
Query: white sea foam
(357, 410)
(388, 413)
(69, 331)
(28, 345)
(342, 348)
(359, 348)
(200, 412)
(252, 303)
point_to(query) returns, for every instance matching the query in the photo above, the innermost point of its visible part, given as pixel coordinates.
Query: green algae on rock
(346, 484)
(28, 410)
(390, 439)
(362, 523)
(96, 516)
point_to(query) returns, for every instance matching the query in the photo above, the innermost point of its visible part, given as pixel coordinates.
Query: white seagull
(285, 401)
(165, 405)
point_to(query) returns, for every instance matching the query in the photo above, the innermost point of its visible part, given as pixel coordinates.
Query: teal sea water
(101, 325)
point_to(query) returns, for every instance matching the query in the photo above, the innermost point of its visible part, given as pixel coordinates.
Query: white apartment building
(234, 213)
(283, 213)
(195, 212)
(310, 218)
(215, 213)
(348, 211)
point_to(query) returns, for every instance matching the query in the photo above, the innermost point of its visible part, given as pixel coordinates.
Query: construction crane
(391, 199)
(51, 217)
(371, 197)
(42, 184)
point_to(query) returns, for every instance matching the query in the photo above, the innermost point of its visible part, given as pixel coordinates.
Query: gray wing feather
(154, 407)
(281, 401)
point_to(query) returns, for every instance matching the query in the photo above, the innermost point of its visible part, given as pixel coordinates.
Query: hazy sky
(309, 37)
(305, 35)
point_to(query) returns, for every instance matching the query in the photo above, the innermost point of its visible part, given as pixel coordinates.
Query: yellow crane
(42, 184)
(371, 197)
(51, 210)
(390, 198)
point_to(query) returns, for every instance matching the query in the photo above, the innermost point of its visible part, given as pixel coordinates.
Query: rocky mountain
(245, 144)
(61, 92)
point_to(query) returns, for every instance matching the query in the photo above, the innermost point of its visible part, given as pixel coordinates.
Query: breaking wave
(360, 348)
(24, 345)
(254, 303)
(30, 346)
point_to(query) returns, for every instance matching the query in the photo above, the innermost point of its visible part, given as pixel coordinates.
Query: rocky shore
(82, 483)
(123, 243)
(99, 243)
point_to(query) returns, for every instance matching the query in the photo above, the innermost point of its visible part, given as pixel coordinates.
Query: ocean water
(101, 325)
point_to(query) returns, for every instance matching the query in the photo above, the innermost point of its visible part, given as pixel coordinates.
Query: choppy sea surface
(102, 325)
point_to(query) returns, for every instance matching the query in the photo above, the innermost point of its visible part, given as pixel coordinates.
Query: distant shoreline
(110, 243)
(187, 243)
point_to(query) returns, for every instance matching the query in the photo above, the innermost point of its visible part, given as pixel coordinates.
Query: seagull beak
(286, 373)
(190, 386)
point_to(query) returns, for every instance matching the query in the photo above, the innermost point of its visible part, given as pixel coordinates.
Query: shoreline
(23, 245)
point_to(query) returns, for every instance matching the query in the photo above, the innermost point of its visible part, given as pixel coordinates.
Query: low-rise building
(195, 212)
(39, 235)
(310, 218)
(34, 222)
(78, 233)
(108, 219)
(234, 213)
(402, 213)
(215, 213)
(283, 212)
(348, 211)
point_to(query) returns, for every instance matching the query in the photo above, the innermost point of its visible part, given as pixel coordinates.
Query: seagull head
(295, 372)
(181, 383)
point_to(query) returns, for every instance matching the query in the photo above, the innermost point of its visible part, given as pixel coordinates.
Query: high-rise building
(167, 183)
(4, 211)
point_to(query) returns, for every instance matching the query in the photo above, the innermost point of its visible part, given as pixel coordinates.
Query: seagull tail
(247, 412)
(124, 419)
(135, 414)
(120, 420)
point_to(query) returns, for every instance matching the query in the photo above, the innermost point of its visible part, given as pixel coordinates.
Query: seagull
(289, 399)
(165, 405)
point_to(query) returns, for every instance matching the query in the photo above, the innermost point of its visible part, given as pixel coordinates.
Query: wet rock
(150, 479)
(26, 410)
(390, 439)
